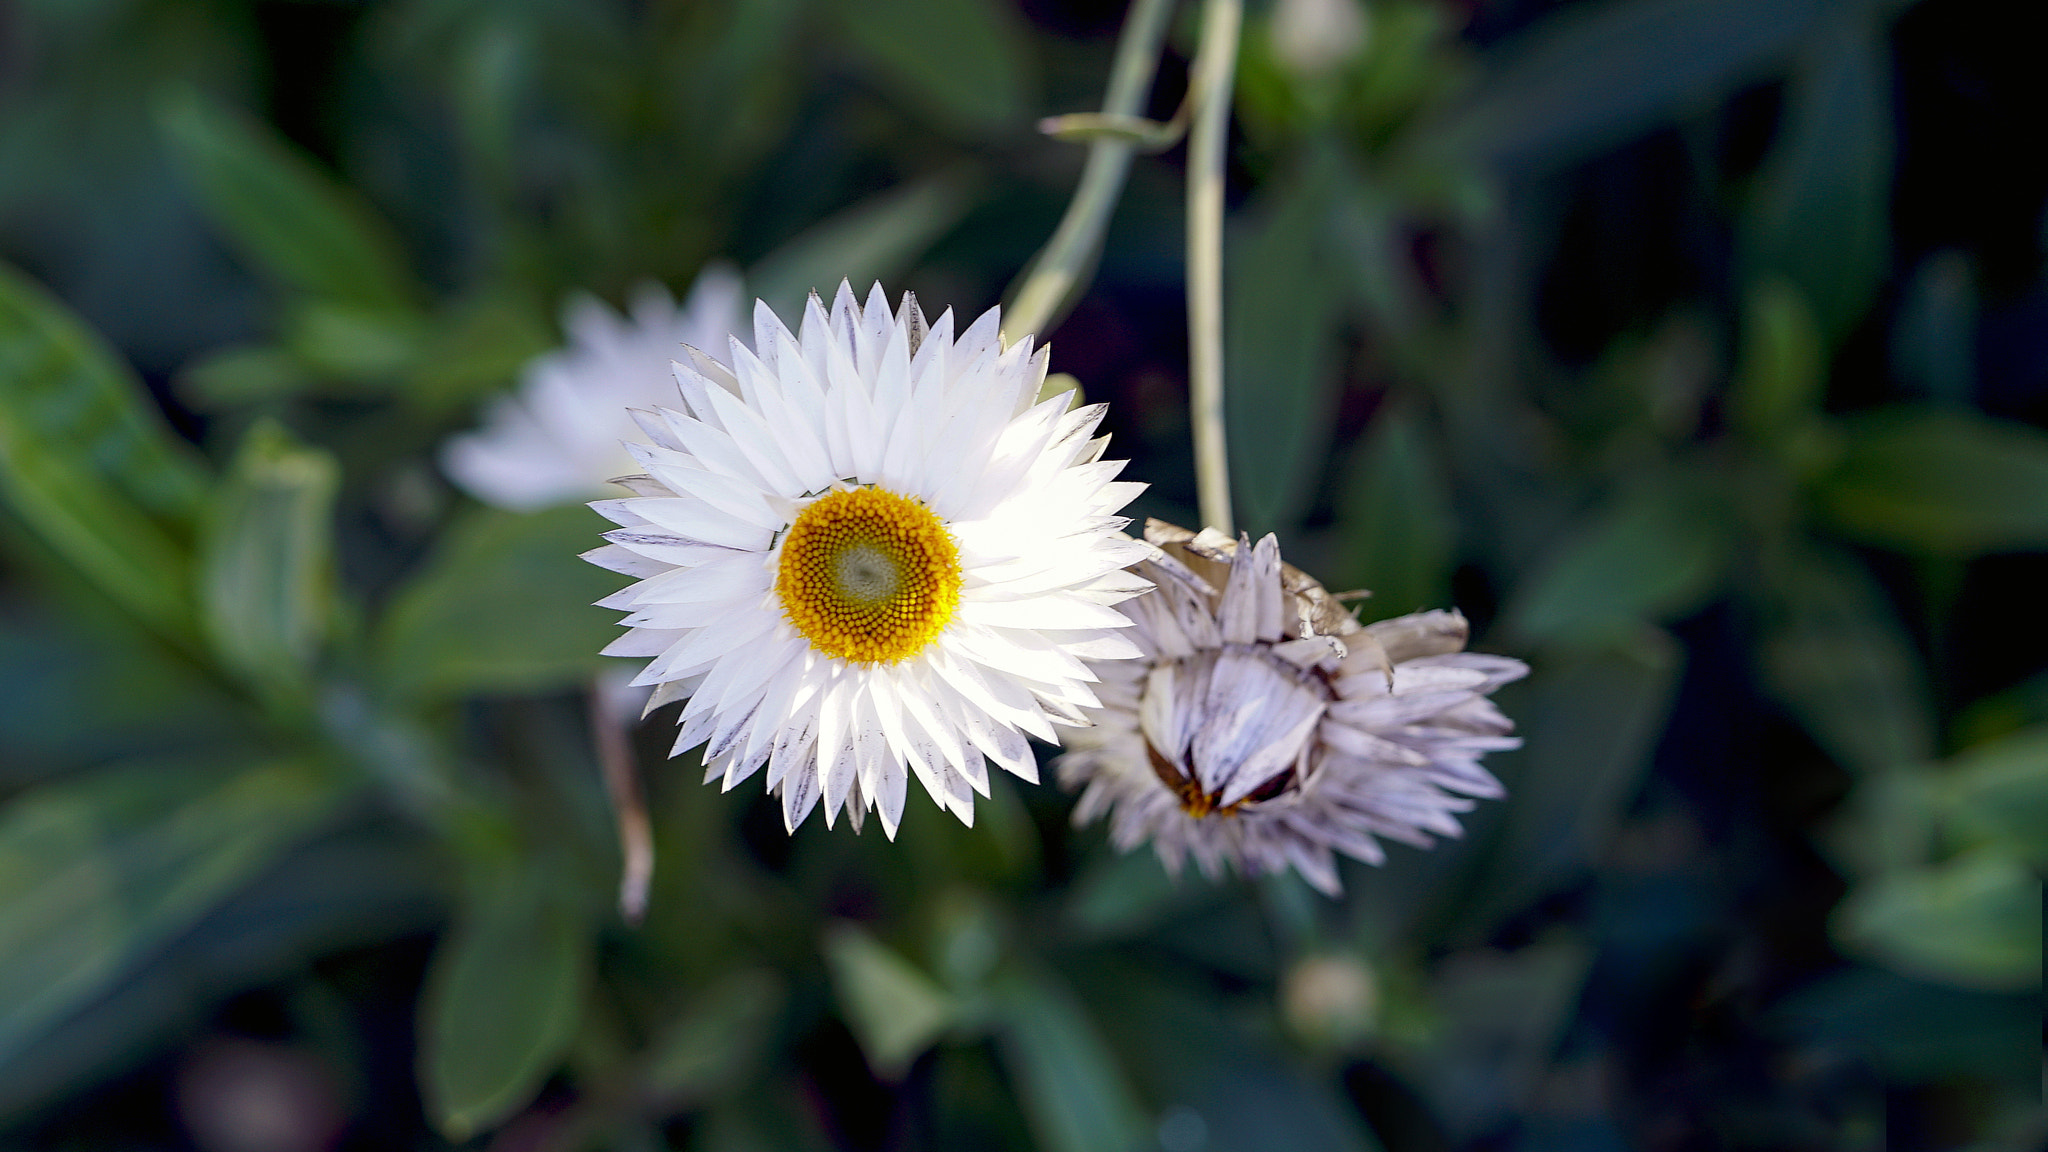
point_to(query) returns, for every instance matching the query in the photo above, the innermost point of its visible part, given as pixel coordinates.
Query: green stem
(1214, 71)
(1048, 285)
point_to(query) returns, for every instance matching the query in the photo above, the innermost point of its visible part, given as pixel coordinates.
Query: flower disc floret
(868, 576)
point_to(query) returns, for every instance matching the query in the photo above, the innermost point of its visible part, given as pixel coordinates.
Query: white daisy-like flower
(1265, 727)
(864, 553)
(559, 438)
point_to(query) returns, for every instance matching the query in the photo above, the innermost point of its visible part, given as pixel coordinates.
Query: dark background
(1696, 349)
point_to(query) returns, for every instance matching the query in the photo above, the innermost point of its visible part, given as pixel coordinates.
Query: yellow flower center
(868, 576)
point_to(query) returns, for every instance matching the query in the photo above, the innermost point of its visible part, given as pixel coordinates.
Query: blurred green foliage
(296, 743)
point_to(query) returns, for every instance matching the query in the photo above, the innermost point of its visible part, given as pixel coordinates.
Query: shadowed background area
(1696, 349)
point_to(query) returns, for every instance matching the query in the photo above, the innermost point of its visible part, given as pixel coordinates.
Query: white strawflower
(559, 438)
(1265, 727)
(864, 550)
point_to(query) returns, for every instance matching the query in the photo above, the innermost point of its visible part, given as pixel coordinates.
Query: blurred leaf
(268, 559)
(1783, 375)
(1501, 1015)
(1823, 215)
(875, 239)
(480, 347)
(959, 62)
(502, 606)
(502, 999)
(239, 376)
(351, 342)
(285, 215)
(710, 1047)
(1655, 553)
(1974, 921)
(1595, 74)
(1934, 333)
(1941, 481)
(1282, 307)
(87, 461)
(2000, 791)
(356, 889)
(1123, 894)
(1834, 651)
(98, 871)
(1590, 718)
(894, 1010)
(1223, 1082)
(1074, 1094)
(1397, 525)
(1916, 1031)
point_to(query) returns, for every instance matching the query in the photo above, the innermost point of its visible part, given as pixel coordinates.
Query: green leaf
(1397, 525)
(960, 62)
(284, 215)
(1999, 791)
(1940, 481)
(894, 1010)
(87, 461)
(1590, 721)
(1594, 75)
(502, 999)
(1656, 552)
(1280, 315)
(504, 605)
(98, 871)
(1823, 216)
(1974, 921)
(1075, 1096)
(268, 559)
(874, 240)
(710, 1047)
(1834, 652)
(1784, 363)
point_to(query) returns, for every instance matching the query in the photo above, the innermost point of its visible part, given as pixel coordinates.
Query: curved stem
(1047, 286)
(1214, 71)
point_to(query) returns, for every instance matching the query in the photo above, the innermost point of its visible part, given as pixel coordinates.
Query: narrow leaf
(98, 871)
(875, 239)
(1999, 791)
(1974, 921)
(1651, 555)
(1074, 1094)
(87, 461)
(1834, 651)
(1397, 524)
(1941, 481)
(280, 211)
(504, 605)
(502, 999)
(961, 62)
(1281, 314)
(894, 1010)
(1823, 216)
(268, 559)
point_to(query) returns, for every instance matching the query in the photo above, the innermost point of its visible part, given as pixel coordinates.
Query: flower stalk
(1048, 285)
(1214, 72)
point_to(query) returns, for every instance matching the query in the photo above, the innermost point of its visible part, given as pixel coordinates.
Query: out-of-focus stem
(609, 730)
(1049, 283)
(1214, 71)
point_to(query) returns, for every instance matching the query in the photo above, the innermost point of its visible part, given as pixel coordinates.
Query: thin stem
(609, 727)
(1048, 285)
(1214, 71)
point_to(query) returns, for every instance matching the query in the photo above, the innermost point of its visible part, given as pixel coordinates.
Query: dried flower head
(1266, 728)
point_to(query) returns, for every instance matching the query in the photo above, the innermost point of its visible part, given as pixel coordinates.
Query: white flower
(559, 438)
(1266, 728)
(865, 553)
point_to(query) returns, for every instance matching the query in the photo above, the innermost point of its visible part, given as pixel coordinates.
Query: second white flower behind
(865, 553)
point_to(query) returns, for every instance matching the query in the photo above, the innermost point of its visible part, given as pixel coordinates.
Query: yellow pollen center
(868, 576)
